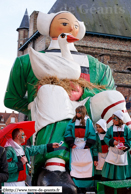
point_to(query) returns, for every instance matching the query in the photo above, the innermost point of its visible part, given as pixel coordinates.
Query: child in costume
(118, 137)
(80, 136)
(100, 149)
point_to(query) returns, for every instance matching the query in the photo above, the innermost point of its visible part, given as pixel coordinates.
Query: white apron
(117, 157)
(81, 160)
(101, 160)
(101, 156)
(46, 109)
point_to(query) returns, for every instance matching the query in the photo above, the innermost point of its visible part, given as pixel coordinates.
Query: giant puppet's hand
(77, 93)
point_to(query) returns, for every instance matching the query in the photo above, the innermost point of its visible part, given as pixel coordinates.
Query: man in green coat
(18, 157)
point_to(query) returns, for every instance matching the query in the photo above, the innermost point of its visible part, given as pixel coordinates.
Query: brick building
(108, 36)
(7, 118)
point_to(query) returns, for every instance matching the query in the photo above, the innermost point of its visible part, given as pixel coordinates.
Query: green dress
(129, 164)
(111, 171)
(90, 138)
(97, 148)
(21, 90)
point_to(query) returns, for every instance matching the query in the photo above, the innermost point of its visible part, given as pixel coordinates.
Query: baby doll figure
(80, 136)
(118, 137)
(100, 149)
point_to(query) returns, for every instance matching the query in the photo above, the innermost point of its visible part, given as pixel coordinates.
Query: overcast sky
(11, 14)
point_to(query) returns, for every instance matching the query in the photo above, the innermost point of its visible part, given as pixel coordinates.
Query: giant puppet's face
(64, 23)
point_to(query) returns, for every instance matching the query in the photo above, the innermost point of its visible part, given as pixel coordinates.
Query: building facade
(7, 118)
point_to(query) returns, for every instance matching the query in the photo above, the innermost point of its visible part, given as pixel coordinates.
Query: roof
(107, 18)
(25, 21)
(100, 16)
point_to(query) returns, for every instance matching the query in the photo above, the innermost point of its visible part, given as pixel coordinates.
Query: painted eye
(64, 24)
(76, 27)
(62, 35)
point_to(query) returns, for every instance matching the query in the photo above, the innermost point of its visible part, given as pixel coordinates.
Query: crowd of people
(96, 153)
(108, 149)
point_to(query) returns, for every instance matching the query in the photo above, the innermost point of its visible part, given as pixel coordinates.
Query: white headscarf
(44, 21)
(119, 114)
(102, 123)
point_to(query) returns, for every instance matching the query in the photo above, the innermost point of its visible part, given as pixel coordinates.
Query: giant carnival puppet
(49, 85)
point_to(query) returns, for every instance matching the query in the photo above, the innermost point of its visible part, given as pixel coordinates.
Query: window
(12, 120)
(128, 68)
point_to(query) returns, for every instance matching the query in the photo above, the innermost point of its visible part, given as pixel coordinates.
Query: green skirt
(114, 172)
(97, 172)
(84, 183)
(129, 166)
(97, 177)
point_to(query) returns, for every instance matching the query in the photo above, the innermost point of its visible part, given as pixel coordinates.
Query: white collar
(116, 128)
(19, 150)
(77, 122)
(101, 136)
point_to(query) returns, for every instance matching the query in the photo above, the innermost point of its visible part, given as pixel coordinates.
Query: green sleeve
(90, 134)
(108, 137)
(21, 82)
(34, 150)
(100, 73)
(95, 149)
(69, 130)
(127, 135)
(12, 166)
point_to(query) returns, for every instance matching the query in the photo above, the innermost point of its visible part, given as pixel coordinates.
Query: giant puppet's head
(61, 22)
(51, 64)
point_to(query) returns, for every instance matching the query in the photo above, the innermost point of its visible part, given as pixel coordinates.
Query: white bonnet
(44, 20)
(119, 114)
(102, 123)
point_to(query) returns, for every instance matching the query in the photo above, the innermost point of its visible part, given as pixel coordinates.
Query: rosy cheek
(59, 29)
(76, 32)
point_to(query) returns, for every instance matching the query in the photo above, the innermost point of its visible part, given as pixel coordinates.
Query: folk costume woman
(100, 149)
(118, 138)
(80, 136)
